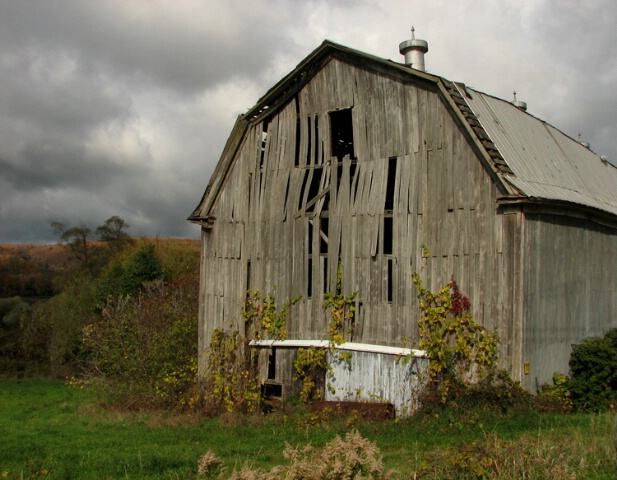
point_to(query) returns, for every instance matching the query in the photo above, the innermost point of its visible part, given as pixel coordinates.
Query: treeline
(122, 318)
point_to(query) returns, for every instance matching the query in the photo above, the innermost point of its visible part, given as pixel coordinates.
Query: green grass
(50, 430)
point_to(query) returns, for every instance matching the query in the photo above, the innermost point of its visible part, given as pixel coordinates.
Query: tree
(113, 232)
(77, 240)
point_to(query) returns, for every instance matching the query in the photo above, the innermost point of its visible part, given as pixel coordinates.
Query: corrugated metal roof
(546, 163)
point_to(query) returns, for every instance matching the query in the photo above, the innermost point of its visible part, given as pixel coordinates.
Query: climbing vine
(232, 382)
(311, 364)
(263, 319)
(341, 310)
(459, 349)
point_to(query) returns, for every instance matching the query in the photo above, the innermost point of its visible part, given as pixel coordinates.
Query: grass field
(50, 430)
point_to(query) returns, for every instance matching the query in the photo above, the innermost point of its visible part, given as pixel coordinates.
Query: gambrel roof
(530, 161)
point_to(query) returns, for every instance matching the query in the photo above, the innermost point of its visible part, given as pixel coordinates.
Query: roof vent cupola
(519, 104)
(414, 51)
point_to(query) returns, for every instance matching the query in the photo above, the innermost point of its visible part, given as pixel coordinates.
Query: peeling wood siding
(442, 197)
(563, 306)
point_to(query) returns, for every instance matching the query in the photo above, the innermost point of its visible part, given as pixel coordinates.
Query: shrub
(351, 458)
(231, 383)
(554, 397)
(126, 273)
(51, 334)
(459, 349)
(143, 350)
(593, 373)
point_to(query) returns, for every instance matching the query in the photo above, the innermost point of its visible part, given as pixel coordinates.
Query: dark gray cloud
(123, 108)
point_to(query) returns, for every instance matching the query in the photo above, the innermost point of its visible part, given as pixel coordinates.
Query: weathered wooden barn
(356, 161)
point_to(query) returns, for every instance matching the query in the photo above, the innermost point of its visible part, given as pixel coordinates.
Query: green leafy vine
(459, 349)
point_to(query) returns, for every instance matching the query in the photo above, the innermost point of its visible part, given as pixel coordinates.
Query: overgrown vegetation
(351, 458)
(38, 418)
(124, 320)
(311, 365)
(231, 383)
(127, 330)
(459, 349)
(593, 373)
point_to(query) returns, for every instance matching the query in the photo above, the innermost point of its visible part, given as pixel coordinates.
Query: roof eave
(542, 205)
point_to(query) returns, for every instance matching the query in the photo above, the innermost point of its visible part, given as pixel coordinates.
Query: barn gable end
(355, 162)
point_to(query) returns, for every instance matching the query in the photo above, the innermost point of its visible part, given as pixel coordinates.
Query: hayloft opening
(341, 133)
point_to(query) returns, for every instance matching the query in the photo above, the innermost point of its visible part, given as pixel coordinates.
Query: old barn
(356, 161)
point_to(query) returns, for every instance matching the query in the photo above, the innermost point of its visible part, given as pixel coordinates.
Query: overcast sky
(123, 107)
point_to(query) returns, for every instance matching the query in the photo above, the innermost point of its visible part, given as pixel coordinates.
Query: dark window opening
(272, 390)
(316, 140)
(339, 177)
(248, 276)
(390, 285)
(309, 237)
(325, 275)
(326, 202)
(341, 130)
(390, 186)
(388, 234)
(377, 245)
(309, 279)
(352, 175)
(286, 194)
(272, 364)
(309, 143)
(314, 187)
(264, 138)
(248, 190)
(323, 234)
(303, 188)
(298, 135)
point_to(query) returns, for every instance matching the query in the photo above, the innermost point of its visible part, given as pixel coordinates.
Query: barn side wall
(295, 206)
(570, 290)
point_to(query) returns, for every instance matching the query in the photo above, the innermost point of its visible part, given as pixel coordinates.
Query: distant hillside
(33, 270)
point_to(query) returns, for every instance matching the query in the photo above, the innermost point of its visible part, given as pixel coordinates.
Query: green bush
(593, 373)
(554, 397)
(126, 273)
(143, 350)
(53, 331)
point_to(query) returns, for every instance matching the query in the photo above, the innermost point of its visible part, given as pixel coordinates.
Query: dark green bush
(143, 350)
(593, 373)
(126, 273)
(49, 332)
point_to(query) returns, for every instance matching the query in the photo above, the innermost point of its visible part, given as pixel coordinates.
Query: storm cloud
(123, 108)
